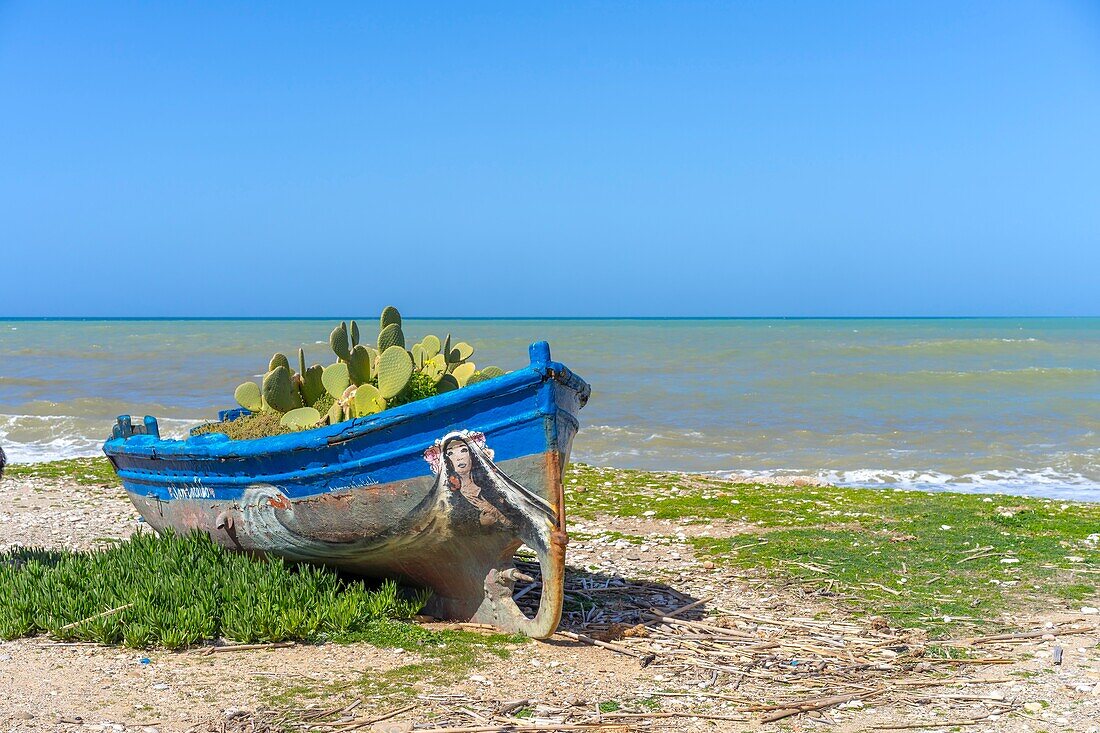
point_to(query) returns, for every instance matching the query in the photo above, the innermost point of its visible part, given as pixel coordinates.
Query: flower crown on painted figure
(434, 454)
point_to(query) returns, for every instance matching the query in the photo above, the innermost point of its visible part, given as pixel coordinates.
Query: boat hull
(438, 493)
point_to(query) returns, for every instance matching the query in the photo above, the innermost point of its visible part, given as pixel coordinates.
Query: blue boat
(437, 493)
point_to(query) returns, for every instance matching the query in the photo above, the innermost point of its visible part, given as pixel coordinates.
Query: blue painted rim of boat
(212, 447)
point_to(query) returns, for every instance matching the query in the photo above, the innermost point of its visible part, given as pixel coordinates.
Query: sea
(1006, 405)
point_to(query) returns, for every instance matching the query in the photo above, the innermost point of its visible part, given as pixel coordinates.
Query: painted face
(459, 455)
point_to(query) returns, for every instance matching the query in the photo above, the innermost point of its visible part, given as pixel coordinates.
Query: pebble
(1033, 707)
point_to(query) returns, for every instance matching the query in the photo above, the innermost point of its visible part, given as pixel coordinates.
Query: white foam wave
(1047, 482)
(40, 438)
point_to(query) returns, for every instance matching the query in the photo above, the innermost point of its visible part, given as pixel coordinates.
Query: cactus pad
(431, 346)
(359, 370)
(491, 372)
(448, 383)
(335, 413)
(463, 372)
(338, 340)
(248, 396)
(279, 391)
(390, 315)
(395, 368)
(312, 387)
(434, 368)
(367, 401)
(278, 360)
(460, 352)
(354, 334)
(301, 418)
(391, 335)
(335, 379)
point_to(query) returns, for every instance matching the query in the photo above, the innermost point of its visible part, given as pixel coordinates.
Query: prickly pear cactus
(366, 379)
(460, 352)
(367, 401)
(463, 372)
(395, 368)
(338, 340)
(301, 418)
(391, 335)
(359, 365)
(248, 396)
(335, 379)
(312, 387)
(279, 391)
(435, 368)
(431, 346)
(390, 315)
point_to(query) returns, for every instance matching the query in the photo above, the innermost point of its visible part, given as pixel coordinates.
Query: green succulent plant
(365, 380)
(248, 396)
(359, 365)
(301, 418)
(390, 315)
(335, 379)
(460, 352)
(434, 368)
(395, 368)
(279, 391)
(463, 372)
(391, 335)
(368, 400)
(338, 341)
(312, 387)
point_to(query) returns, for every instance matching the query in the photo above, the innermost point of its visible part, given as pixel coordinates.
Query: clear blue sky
(554, 159)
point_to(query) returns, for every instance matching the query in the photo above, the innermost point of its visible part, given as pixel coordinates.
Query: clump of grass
(178, 590)
(922, 558)
(87, 471)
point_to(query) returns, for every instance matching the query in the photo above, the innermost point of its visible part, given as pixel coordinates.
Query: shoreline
(823, 478)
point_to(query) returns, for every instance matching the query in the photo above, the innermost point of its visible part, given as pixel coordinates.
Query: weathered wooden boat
(437, 493)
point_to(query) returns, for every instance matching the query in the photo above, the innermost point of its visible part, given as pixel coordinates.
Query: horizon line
(548, 318)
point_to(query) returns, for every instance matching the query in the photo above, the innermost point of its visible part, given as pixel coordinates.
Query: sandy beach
(735, 657)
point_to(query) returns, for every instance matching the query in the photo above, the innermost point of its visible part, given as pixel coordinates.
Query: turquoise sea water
(968, 404)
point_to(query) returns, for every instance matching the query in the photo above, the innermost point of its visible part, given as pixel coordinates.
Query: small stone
(1033, 707)
(1089, 610)
(708, 565)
